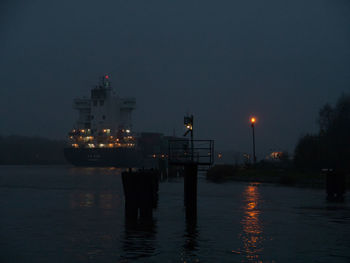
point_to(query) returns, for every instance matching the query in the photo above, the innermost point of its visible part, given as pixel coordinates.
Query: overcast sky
(220, 60)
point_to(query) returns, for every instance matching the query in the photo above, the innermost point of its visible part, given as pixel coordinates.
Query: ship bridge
(104, 109)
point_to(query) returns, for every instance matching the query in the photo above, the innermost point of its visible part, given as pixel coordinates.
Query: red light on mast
(106, 77)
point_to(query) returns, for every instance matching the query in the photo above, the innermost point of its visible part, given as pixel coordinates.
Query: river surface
(67, 214)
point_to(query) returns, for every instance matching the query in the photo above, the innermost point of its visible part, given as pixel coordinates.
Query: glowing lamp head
(106, 77)
(252, 120)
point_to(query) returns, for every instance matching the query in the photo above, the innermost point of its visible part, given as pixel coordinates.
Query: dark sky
(220, 60)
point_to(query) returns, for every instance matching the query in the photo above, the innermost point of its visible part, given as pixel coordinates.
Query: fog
(222, 61)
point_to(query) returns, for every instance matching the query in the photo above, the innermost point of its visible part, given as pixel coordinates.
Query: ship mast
(105, 81)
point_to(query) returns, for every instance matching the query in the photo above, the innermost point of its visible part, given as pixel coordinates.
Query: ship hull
(103, 157)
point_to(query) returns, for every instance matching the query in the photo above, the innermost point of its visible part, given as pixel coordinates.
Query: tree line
(26, 150)
(330, 146)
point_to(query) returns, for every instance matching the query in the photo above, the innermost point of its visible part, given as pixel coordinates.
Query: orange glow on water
(252, 229)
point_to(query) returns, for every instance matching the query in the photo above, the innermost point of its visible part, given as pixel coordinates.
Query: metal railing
(183, 152)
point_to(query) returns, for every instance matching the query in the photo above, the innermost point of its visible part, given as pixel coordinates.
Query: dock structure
(184, 156)
(191, 154)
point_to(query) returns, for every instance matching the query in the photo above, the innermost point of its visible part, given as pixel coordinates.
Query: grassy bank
(292, 177)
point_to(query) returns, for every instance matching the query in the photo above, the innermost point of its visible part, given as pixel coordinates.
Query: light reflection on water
(56, 214)
(252, 228)
(104, 200)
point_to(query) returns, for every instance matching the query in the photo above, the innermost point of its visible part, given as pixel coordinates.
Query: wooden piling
(190, 190)
(335, 185)
(141, 193)
(131, 195)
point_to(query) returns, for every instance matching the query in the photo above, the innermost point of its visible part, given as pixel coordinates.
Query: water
(65, 214)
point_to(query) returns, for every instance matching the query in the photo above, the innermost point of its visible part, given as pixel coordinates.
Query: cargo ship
(103, 133)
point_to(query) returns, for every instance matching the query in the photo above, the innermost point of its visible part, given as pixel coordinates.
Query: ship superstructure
(103, 135)
(104, 120)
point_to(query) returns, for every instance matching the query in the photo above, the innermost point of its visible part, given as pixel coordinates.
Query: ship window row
(95, 102)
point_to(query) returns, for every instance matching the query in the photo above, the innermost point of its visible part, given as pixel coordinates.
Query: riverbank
(291, 177)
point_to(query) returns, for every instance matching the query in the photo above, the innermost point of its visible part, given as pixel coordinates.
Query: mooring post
(335, 185)
(145, 181)
(131, 195)
(141, 193)
(190, 189)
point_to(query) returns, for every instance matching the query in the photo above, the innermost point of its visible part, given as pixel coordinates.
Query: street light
(253, 121)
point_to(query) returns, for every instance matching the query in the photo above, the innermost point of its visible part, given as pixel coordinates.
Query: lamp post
(253, 121)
